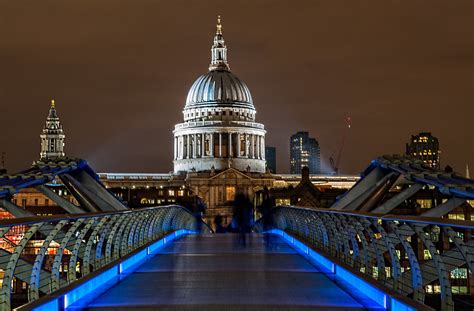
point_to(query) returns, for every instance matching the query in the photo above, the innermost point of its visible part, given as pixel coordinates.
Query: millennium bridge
(102, 255)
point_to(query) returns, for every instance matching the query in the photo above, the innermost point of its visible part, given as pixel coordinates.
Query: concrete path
(212, 272)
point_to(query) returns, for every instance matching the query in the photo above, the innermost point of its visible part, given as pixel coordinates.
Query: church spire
(52, 136)
(219, 50)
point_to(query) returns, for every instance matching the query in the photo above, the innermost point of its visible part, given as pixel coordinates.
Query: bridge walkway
(213, 272)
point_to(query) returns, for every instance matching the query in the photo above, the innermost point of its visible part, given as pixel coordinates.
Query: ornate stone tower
(52, 136)
(219, 129)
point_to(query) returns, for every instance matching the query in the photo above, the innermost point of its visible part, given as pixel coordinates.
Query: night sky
(120, 71)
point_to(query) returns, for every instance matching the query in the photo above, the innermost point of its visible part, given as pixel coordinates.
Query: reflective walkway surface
(213, 272)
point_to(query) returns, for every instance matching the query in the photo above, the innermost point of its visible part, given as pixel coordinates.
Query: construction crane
(335, 163)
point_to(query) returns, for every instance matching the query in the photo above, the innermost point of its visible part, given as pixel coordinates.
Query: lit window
(229, 193)
(387, 272)
(456, 216)
(459, 289)
(424, 203)
(180, 193)
(171, 192)
(282, 202)
(458, 273)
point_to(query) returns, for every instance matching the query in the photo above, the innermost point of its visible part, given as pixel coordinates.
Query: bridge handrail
(371, 243)
(465, 224)
(83, 243)
(9, 222)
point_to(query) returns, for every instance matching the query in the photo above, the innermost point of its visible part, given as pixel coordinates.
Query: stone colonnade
(219, 145)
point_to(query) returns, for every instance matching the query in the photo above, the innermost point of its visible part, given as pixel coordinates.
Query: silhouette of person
(218, 223)
(243, 216)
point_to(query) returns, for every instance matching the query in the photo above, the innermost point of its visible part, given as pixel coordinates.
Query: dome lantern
(219, 50)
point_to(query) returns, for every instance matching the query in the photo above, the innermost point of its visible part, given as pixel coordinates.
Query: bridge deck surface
(212, 272)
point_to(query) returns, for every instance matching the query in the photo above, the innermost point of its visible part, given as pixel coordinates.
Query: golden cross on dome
(52, 103)
(219, 26)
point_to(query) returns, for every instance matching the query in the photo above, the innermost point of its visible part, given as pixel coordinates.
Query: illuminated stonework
(52, 136)
(219, 129)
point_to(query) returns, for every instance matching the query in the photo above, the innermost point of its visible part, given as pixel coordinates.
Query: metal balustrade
(49, 253)
(401, 253)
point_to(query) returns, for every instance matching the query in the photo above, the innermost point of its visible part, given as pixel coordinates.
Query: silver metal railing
(48, 253)
(403, 253)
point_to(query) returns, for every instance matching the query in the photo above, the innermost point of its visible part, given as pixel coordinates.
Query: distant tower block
(425, 147)
(304, 151)
(52, 136)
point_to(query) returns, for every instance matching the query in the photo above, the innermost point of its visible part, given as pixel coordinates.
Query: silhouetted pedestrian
(218, 223)
(243, 216)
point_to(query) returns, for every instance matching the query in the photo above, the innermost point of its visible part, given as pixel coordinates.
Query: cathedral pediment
(230, 173)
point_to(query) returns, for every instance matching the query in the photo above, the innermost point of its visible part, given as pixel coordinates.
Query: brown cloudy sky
(120, 71)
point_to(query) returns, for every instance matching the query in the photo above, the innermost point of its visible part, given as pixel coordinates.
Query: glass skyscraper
(304, 151)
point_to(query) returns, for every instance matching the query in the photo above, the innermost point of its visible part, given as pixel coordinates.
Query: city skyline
(110, 104)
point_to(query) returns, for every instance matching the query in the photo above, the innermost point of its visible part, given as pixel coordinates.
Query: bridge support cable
(361, 187)
(398, 199)
(369, 196)
(445, 208)
(370, 193)
(380, 190)
(82, 196)
(375, 244)
(96, 191)
(14, 209)
(63, 203)
(74, 246)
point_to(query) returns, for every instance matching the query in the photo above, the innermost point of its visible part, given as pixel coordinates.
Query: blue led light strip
(384, 300)
(109, 277)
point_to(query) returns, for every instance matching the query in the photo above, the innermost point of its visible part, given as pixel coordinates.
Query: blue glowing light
(378, 296)
(110, 277)
(396, 305)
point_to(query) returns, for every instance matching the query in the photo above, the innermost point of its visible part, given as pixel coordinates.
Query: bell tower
(52, 136)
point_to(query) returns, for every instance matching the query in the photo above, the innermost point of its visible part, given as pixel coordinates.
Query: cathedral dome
(219, 87)
(219, 129)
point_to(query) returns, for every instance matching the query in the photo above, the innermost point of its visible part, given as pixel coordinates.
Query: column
(175, 148)
(230, 145)
(188, 147)
(220, 145)
(195, 143)
(203, 145)
(211, 145)
(252, 141)
(263, 147)
(246, 145)
(257, 147)
(238, 145)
